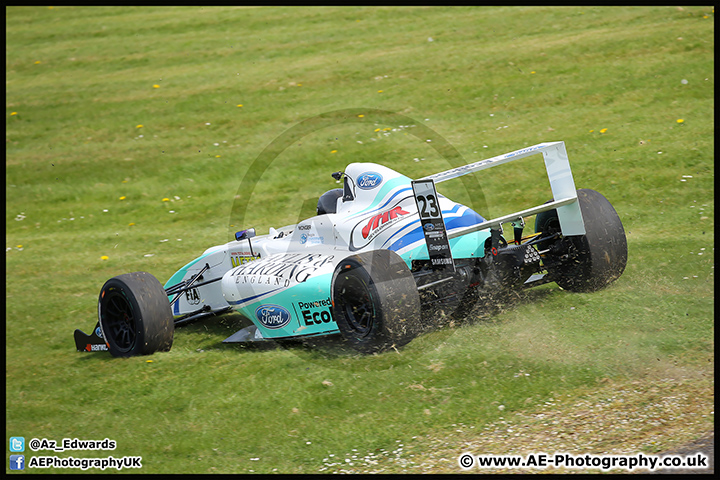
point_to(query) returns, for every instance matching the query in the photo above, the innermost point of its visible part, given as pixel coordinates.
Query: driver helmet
(327, 203)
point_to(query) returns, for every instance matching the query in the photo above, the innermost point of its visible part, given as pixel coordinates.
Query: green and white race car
(382, 254)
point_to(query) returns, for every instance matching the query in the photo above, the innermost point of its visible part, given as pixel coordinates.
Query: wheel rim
(357, 305)
(119, 321)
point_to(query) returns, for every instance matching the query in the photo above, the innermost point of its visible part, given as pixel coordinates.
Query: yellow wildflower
(680, 120)
(165, 199)
(156, 86)
(13, 113)
(603, 130)
(139, 126)
(123, 197)
(104, 257)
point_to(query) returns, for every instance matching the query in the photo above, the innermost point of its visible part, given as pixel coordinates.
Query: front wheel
(585, 263)
(375, 301)
(135, 315)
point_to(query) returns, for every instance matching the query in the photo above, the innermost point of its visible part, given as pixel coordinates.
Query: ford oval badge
(272, 316)
(369, 180)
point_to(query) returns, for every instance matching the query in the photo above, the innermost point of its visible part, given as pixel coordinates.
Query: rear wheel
(135, 315)
(375, 301)
(585, 263)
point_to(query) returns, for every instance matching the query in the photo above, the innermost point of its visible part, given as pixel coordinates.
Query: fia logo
(192, 296)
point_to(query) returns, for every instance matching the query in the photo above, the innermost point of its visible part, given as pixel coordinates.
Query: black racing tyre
(135, 315)
(375, 301)
(596, 258)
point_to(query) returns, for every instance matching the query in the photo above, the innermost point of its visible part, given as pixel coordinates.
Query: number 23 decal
(425, 202)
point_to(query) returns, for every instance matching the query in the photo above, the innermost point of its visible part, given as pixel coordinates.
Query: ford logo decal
(272, 316)
(369, 180)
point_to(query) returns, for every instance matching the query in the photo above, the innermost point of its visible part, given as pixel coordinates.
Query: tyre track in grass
(652, 416)
(704, 445)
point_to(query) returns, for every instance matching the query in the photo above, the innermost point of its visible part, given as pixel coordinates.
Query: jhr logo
(381, 219)
(17, 462)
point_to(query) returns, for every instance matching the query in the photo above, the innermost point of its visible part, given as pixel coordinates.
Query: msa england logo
(369, 180)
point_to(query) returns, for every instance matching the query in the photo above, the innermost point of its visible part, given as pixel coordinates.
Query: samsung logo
(369, 180)
(272, 316)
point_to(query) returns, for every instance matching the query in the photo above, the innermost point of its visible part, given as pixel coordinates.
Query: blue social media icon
(17, 462)
(17, 444)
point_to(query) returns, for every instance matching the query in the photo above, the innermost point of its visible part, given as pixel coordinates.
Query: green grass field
(130, 133)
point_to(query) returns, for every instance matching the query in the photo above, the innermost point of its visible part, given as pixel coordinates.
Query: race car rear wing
(561, 184)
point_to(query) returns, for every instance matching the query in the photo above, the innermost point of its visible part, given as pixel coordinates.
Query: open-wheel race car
(381, 253)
